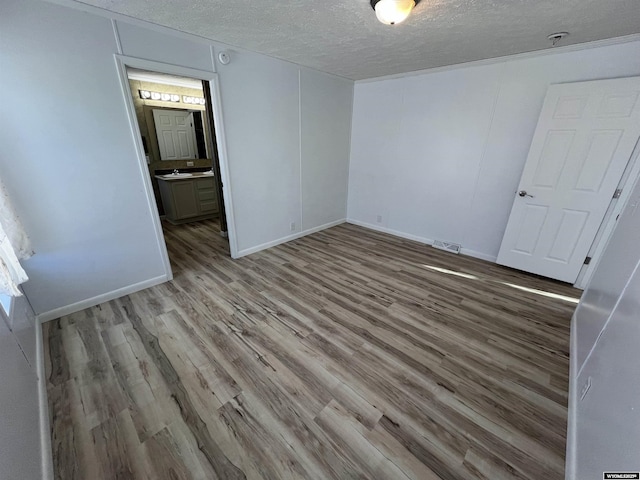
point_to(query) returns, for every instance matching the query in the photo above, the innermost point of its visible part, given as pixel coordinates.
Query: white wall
(604, 427)
(20, 447)
(70, 164)
(325, 110)
(261, 98)
(440, 155)
(288, 132)
(68, 156)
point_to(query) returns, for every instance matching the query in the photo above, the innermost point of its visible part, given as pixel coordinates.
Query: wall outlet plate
(293, 226)
(585, 388)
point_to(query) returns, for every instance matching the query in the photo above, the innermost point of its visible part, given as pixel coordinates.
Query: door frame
(629, 177)
(123, 61)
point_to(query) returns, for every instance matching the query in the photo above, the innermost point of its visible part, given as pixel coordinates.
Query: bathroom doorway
(174, 124)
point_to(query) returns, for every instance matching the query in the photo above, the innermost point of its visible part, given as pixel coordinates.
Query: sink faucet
(175, 171)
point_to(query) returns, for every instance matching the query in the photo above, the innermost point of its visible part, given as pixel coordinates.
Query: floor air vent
(449, 247)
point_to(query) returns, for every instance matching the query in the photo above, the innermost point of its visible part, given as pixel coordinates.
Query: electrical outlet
(585, 388)
(189, 164)
(293, 226)
(379, 219)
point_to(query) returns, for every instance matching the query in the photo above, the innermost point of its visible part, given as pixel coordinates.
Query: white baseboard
(570, 463)
(427, 241)
(395, 233)
(43, 405)
(105, 297)
(288, 238)
(475, 254)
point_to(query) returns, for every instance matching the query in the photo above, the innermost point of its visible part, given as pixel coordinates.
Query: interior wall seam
(116, 35)
(485, 147)
(302, 226)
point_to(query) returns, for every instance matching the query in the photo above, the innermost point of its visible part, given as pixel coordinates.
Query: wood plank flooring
(344, 354)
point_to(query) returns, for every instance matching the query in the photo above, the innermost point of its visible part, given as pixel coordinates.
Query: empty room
(373, 239)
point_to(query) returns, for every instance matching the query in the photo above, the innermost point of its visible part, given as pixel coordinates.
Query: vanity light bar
(162, 97)
(193, 100)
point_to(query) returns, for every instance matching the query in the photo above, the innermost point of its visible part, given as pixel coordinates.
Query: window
(5, 302)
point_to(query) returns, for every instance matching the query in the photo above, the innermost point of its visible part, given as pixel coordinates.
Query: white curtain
(14, 246)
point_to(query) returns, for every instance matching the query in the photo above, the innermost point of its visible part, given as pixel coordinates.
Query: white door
(585, 136)
(175, 132)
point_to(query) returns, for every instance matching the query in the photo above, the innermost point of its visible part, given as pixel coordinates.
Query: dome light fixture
(391, 12)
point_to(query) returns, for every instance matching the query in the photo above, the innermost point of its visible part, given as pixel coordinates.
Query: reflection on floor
(344, 354)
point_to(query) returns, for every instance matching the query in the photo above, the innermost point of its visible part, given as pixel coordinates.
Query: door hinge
(587, 260)
(617, 193)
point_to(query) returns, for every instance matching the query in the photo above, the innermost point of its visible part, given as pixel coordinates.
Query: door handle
(523, 193)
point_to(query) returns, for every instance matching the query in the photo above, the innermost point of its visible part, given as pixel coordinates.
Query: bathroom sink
(178, 175)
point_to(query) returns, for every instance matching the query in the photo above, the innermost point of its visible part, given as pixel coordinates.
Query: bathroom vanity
(188, 197)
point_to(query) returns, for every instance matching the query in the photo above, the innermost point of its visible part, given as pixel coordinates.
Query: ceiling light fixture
(391, 12)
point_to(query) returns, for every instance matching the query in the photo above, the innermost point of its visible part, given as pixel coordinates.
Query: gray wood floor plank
(344, 354)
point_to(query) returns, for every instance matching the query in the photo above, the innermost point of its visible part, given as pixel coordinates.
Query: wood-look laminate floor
(344, 354)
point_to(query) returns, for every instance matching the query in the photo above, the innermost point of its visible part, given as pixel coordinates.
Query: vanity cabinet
(188, 199)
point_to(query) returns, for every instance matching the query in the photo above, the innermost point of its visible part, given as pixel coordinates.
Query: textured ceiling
(343, 37)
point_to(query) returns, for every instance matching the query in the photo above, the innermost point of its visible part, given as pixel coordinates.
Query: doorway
(174, 115)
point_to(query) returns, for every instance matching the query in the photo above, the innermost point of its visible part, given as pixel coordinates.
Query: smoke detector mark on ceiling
(556, 37)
